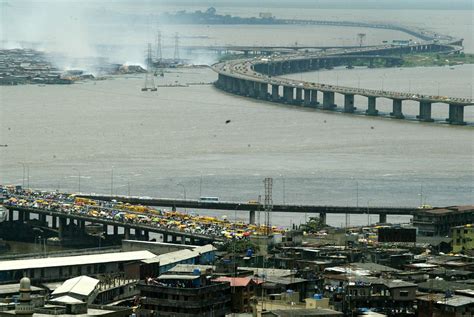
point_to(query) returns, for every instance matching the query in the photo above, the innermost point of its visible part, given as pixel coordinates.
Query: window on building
(403, 293)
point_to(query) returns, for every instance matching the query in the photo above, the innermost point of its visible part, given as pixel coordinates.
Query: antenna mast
(176, 48)
(159, 54)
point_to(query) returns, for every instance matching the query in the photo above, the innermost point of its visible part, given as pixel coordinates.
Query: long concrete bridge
(252, 208)
(60, 220)
(260, 78)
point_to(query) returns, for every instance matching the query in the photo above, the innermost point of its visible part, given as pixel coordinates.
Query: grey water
(110, 137)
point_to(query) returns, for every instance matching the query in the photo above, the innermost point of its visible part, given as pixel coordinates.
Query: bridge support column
(328, 100)
(229, 84)
(174, 239)
(322, 217)
(105, 229)
(371, 107)
(62, 225)
(288, 94)
(307, 98)
(299, 96)
(397, 109)
(252, 92)
(456, 115)
(252, 217)
(42, 218)
(235, 86)
(182, 240)
(165, 237)
(126, 233)
(383, 218)
(263, 91)
(242, 87)
(146, 235)
(314, 97)
(54, 222)
(275, 96)
(349, 103)
(115, 230)
(21, 215)
(425, 112)
(279, 68)
(10, 215)
(138, 234)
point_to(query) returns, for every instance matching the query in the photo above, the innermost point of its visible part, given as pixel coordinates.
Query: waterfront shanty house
(439, 221)
(61, 268)
(242, 291)
(183, 296)
(445, 305)
(463, 238)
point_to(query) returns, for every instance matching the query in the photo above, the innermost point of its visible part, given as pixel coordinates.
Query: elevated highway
(253, 207)
(261, 78)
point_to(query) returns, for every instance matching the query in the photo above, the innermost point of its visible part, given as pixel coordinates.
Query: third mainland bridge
(253, 207)
(260, 78)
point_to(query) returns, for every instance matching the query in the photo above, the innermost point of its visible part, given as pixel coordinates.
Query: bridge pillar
(288, 94)
(263, 91)
(279, 68)
(456, 115)
(10, 215)
(371, 107)
(174, 239)
(165, 237)
(242, 87)
(42, 218)
(115, 230)
(299, 96)
(275, 96)
(105, 229)
(294, 67)
(251, 91)
(349, 103)
(229, 84)
(307, 97)
(21, 215)
(314, 97)
(425, 112)
(382, 218)
(26, 216)
(323, 217)
(235, 86)
(397, 109)
(146, 235)
(138, 234)
(182, 240)
(328, 100)
(61, 227)
(252, 217)
(54, 222)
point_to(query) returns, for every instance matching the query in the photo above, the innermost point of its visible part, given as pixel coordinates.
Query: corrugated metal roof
(81, 285)
(181, 255)
(14, 288)
(66, 299)
(177, 277)
(75, 260)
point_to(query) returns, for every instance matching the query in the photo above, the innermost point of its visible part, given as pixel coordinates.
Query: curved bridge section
(260, 78)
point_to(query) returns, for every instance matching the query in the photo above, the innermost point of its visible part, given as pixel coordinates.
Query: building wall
(463, 238)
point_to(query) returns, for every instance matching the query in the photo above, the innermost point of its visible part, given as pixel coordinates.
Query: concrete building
(242, 290)
(439, 221)
(463, 238)
(184, 296)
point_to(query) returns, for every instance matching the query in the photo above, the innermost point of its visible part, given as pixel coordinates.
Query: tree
(314, 224)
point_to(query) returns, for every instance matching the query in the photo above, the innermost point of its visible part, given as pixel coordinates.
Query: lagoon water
(175, 142)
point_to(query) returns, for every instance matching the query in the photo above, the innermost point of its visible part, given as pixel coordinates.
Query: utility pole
(149, 81)
(159, 55)
(176, 48)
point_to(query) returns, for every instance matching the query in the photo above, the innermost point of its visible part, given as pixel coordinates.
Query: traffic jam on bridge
(188, 222)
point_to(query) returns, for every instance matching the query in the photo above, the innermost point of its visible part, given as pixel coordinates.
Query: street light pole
(23, 178)
(112, 181)
(368, 214)
(184, 193)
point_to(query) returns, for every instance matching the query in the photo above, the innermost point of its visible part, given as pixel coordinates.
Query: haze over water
(152, 142)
